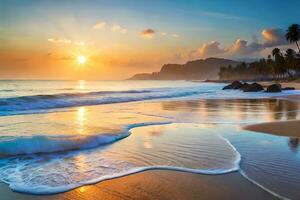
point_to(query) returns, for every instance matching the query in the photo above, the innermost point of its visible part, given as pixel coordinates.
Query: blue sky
(194, 29)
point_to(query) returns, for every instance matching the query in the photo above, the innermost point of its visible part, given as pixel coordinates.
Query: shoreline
(288, 128)
(159, 184)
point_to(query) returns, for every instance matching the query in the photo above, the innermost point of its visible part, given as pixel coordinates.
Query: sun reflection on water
(81, 120)
(81, 84)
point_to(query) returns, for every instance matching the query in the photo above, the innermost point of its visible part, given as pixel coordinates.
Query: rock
(274, 88)
(288, 88)
(245, 85)
(234, 85)
(253, 87)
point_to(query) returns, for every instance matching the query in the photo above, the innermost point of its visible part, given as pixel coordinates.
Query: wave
(15, 105)
(60, 172)
(41, 103)
(50, 144)
(20, 145)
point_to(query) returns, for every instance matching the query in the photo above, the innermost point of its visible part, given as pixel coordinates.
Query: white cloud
(208, 49)
(57, 40)
(242, 47)
(123, 30)
(99, 26)
(175, 35)
(118, 28)
(272, 37)
(69, 42)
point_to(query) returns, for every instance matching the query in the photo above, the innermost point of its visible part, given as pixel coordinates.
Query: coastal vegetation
(277, 66)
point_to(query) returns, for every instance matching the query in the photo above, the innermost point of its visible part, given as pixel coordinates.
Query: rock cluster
(255, 87)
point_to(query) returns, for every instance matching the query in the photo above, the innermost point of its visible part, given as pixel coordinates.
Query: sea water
(59, 135)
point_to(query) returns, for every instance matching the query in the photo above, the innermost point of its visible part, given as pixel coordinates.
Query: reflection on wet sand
(243, 109)
(294, 143)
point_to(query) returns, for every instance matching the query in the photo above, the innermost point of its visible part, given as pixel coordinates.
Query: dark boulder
(245, 85)
(253, 87)
(288, 88)
(274, 88)
(235, 85)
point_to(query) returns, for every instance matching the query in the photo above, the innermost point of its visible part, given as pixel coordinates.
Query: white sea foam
(201, 152)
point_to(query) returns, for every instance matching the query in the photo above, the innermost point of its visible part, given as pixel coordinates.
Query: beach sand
(289, 128)
(158, 184)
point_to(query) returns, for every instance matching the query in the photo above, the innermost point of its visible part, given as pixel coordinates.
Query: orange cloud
(147, 33)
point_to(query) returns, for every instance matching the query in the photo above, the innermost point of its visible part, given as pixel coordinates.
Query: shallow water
(81, 145)
(21, 97)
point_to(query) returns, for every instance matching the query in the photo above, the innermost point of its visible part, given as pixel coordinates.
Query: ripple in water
(272, 162)
(185, 147)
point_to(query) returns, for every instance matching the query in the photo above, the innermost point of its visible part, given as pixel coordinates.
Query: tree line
(278, 65)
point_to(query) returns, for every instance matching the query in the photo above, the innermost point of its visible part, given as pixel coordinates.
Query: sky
(109, 40)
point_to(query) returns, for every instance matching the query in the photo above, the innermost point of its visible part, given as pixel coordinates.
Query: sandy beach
(159, 184)
(288, 128)
(284, 128)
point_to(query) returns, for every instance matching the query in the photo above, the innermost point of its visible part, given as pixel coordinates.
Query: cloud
(243, 47)
(118, 28)
(208, 49)
(147, 33)
(175, 35)
(99, 26)
(63, 41)
(123, 30)
(66, 41)
(273, 37)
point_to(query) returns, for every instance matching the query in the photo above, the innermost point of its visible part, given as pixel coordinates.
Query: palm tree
(293, 34)
(290, 61)
(279, 68)
(276, 52)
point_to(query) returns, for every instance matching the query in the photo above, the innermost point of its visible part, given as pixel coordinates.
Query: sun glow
(81, 59)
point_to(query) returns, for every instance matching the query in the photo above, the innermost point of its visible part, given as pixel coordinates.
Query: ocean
(59, 135)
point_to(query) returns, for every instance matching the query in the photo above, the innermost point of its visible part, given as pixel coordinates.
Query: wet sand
(284, 128)
(158, 184)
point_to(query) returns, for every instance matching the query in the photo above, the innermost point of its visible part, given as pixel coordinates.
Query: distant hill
(193, 70)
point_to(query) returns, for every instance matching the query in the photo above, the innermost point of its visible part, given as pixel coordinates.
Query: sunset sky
(77, 39)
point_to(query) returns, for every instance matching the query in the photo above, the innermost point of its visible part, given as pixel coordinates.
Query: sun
(81, 59)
